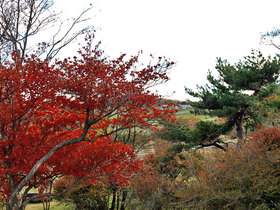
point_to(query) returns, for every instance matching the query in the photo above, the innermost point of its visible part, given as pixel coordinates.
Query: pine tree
(234, 94)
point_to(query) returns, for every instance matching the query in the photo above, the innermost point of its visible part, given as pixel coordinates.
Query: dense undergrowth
(179, 175)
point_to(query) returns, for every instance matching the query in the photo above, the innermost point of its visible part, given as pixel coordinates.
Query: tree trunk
(8, 207)
(123, 199)
(118, 201)
(13, 206)
(12, 203)
(239, 131)
(114, 200)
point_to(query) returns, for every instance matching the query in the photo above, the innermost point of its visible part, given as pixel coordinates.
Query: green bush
(175, 132)
(205, 132)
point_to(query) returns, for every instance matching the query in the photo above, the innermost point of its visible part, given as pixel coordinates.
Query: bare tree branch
(22, 19)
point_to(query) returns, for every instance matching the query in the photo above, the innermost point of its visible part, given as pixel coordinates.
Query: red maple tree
(59, 118)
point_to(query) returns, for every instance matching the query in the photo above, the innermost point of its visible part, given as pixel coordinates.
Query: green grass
(54, 206)
(186, 114)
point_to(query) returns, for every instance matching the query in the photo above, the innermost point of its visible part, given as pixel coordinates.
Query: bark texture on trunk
(239, 130)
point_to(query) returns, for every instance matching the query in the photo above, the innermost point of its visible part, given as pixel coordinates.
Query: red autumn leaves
(43, 104)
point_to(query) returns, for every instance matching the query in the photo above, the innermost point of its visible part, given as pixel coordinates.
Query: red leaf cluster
(82, 101)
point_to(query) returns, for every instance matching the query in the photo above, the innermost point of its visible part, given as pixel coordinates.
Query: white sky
(193, 33)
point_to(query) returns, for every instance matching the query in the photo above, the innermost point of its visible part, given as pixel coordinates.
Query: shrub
(151, 189)
(245, 178)
(177, 131)
(204, 133)
(207, 132)
(82, 195)
(267, 138)
(190, 122)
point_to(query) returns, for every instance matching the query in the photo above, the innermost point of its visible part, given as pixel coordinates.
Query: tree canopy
(59, 119)
(237, 89)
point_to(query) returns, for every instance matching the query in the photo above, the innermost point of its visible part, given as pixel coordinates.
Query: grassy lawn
(54, 206)
(186, 114)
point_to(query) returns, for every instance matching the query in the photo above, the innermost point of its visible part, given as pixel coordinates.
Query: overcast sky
(193, 33)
